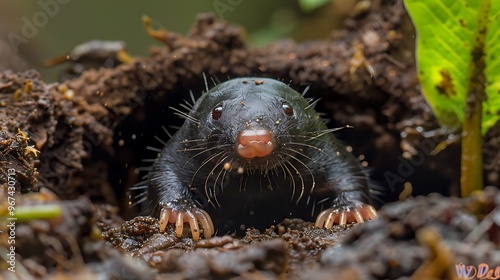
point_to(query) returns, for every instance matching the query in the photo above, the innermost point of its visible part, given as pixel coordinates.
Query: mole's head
(251, 119)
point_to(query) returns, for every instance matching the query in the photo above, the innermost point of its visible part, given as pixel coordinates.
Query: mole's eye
(287, 108)
(217, 112)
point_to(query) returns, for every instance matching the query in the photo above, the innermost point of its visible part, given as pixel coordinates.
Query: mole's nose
(253, 143)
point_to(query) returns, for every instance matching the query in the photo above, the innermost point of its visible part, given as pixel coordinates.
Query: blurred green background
(68, 23)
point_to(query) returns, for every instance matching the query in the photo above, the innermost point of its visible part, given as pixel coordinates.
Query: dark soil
(92, 133)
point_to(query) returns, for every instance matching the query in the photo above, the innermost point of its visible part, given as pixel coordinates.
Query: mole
(252, 152)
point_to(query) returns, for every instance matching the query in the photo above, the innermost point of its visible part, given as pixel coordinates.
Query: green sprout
(459, 71)
(35, 212)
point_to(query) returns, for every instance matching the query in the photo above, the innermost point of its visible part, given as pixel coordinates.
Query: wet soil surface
(72, 149)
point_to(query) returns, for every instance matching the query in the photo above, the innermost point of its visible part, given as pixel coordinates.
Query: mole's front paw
(191, 215)
(346, 214)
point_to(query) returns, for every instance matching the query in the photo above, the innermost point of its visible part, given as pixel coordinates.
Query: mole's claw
(206, 222)
(193, 223)
(343, 215)
(371, 212)
(358, 216)
(179, 223)
(164, 216)
(193, 216)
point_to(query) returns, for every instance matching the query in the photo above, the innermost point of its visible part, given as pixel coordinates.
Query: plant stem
(471, 175)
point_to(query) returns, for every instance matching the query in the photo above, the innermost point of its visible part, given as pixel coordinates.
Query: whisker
(323, 200)
(270, 186)
(139, 186)
(305, 91)
(316, 134)
(186, 141)
(220, 172)
(337, 153)
(377, 193)
(310, 146)
(200, 167)
(204, 163)
(206, 83)
(282, 168)
(226, 171)
(202, 152)
(306, 156)
(138, 199)
(292, 179)
(193, 146)
(376, 197)
(154, 149)
(215, 80)
(275, 171)
(188, 107)
(312, 104)
(313, 208)
(305, 139)
(243, 183)
(310, 172)
(202, 146)
(160, 140)
(301, 180)
(192, 149)
(185, 115)
(140, 195)
(144, 168)
(196, 147)
(199, 203)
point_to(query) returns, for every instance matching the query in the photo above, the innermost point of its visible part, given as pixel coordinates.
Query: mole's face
(252, 118)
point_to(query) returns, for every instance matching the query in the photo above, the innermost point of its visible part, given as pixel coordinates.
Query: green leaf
(310, 5)
(459, 72)
(450, 34)
(492, 71)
